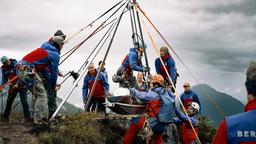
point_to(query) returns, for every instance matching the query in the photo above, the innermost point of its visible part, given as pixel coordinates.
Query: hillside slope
(227, 104)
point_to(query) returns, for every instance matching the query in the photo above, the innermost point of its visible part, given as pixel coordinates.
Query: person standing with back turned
(241, 128)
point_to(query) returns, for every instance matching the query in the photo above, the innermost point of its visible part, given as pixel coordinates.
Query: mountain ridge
(225, 105)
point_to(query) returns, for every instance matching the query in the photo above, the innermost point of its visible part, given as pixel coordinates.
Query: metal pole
(135, 26)
(141, 34)
(104, 59)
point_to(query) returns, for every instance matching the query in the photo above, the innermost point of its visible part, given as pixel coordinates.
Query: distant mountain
(227, 104)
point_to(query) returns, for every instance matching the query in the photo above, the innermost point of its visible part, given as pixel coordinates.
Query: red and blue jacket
(46, 60)
(9, 71)
(153, 102)
(188, 97)
(132, 62)
(104, 72)
(101, 88)
(169, 63)
(238, 129)
(187, 133)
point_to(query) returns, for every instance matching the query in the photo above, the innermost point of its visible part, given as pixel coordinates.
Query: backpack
(167, 106)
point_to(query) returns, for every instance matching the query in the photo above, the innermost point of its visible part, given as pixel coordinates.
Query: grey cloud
(246, 7)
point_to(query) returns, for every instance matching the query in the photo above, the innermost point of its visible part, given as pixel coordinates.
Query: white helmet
(195, 106)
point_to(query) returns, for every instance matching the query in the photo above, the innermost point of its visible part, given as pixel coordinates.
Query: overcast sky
(215, 39)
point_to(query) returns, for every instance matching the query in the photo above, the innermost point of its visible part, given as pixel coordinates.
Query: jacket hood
(50, 46)
(133, 50)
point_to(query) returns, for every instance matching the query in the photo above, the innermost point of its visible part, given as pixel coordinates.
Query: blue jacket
(8, 72)
(147, 97)
(169, 63)
(241, 127)
(52, 61)
(188, 97)
(160, 102)
(131, 61)
(182, 118)
(54, 57)
(98, 91)
(47, 58)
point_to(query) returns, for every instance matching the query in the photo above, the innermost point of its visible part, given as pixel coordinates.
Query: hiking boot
(39, 127)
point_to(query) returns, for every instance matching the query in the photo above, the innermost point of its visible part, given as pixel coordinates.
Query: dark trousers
(51, 96)
(12, 93)
(97, 105)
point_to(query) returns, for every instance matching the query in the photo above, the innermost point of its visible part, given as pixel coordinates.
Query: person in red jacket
(187, 134)
(169, 64)
(157, 114)
(101, 90)
(241, 128)
(39, 65)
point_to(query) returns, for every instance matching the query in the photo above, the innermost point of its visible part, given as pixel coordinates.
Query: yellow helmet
(156, 78)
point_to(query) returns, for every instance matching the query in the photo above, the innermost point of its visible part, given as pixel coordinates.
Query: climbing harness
(146, 131)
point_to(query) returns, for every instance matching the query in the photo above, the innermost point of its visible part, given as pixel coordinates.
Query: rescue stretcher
(125, 104)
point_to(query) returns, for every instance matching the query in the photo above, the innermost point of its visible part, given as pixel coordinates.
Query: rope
(80, 44)
(155, 47)
(7, 83)
(90, 24)
(86, 61)
(209, 97)
(104, 59)
(73, 49)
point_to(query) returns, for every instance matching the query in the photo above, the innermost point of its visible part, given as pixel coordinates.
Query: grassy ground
(86, 128)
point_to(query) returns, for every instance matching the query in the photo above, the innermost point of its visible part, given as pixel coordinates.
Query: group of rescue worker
(148, 92)
(37, 73)
(159, 88)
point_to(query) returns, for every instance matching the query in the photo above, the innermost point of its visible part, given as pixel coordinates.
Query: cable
(94, 49)
(74, 48)
(80, 44)
(90, 24)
